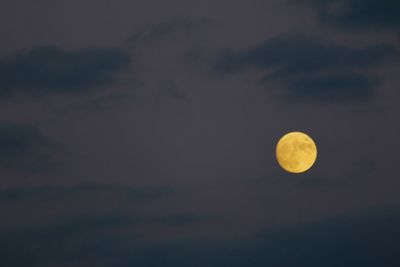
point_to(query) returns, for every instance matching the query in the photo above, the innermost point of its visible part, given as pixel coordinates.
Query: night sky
(142, 133)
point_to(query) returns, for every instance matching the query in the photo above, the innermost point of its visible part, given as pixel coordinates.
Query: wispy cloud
(168, 28)
(52, 70)
(312, 68)
(348, 240)
(25, 148)
(51, 193)
(363, 15)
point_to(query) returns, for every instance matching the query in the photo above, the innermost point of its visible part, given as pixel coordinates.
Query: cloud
(52, 70)
(365, 240)
(339, 87)
(296, 54)
(349, 240)
(77, 240)
(357, 14)
(25, 148)
(61, 242)
(105, 102)
(51, 193)
(310, 67)
(166, 29)
(172, 90)
(182, 218)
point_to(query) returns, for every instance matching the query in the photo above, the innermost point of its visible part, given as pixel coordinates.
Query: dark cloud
(25, 148)
(311, 68)
(61, 242)
(153, 32)
(105, 238)
(346, 241)
(104, 102)
(358, 240)
(297, 54)
(340, 87)
(171, 90)
(52, 70)
(357, 14)
(51, 193)
(183, 218)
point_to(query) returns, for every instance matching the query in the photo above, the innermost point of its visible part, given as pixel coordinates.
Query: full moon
(296, 152)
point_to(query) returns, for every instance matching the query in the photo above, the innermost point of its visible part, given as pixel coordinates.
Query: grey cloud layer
(98, 237)
(25, 148)
(311, 68)
(362, 240)
(52, 70)
(357, 14)
(167, 29)
(51, 193)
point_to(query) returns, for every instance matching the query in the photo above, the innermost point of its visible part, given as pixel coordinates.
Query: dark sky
(142, 133)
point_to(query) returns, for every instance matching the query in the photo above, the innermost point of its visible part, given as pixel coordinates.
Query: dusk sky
(142, 133)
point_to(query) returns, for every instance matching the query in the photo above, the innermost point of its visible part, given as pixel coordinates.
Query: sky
(143, 133)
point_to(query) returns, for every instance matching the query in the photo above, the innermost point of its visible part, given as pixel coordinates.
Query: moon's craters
(296, 152)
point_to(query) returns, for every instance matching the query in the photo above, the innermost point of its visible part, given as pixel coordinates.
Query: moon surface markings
(296, 152)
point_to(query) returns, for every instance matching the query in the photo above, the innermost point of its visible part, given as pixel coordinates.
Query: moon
(296, 152)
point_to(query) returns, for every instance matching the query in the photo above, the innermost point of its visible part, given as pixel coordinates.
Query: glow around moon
(296, 152)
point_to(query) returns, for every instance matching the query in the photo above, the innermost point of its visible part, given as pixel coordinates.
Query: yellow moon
(296, 152)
